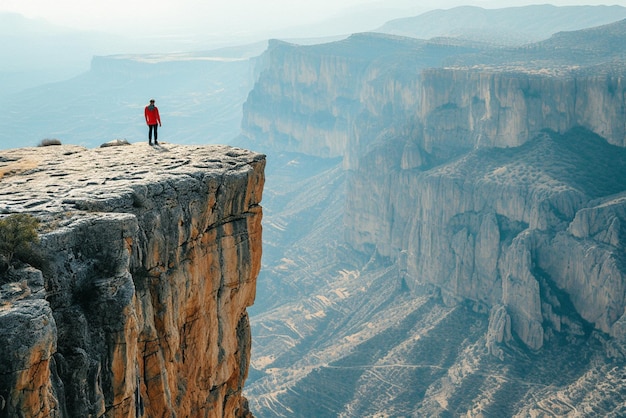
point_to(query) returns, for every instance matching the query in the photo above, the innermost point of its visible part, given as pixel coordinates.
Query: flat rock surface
(54, 179)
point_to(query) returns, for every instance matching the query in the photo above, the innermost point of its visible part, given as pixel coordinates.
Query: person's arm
(158, 117)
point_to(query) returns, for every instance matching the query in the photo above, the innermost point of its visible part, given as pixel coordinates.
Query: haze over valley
(444, 200)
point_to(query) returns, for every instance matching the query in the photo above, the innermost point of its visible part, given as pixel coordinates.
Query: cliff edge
(148, 261)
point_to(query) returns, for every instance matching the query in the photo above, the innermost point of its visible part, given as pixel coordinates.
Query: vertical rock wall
(504, 109)
(470, 177)
(335, 99)
(465, 209)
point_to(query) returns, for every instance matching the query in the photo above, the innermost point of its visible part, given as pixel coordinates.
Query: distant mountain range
(597, 49)
(606, 40)
(507, 26)
(36, 52)
(199, 95)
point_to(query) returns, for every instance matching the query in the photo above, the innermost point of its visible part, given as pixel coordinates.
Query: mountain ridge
(507, 26)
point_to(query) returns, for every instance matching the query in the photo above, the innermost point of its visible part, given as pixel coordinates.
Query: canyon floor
(337, 332)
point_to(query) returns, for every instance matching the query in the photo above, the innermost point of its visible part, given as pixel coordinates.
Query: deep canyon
(443, 234)
(462, 251)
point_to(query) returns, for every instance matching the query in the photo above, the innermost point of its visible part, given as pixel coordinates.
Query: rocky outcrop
(149, 259)
(29, 340)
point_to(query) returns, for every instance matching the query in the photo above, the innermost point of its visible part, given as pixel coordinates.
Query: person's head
(151, 101)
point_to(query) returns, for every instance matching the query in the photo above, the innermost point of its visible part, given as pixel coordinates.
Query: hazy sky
(227, 16)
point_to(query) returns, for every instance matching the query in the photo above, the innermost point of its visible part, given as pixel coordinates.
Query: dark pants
(150, 129)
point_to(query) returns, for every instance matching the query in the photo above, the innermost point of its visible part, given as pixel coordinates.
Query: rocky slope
(148, 261)
(489, 186)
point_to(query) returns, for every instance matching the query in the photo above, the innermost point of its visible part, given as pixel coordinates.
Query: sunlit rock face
(150, 258)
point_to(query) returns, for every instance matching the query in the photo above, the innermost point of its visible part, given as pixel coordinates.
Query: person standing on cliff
(151, 112)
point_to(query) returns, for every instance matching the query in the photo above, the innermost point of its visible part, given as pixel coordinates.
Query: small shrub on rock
(48, 142)
(18, 232)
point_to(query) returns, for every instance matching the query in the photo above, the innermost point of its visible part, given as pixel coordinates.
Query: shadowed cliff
(148, 261)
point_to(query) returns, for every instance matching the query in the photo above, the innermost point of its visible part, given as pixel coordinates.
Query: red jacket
(152, 115)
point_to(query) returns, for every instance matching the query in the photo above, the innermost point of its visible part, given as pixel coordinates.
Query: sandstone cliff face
(151, 258)
(481, 182)
(337, 99)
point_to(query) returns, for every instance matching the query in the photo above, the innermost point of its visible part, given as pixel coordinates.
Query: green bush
(17, 234)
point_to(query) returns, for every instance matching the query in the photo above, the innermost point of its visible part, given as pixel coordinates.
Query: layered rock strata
(149, 259)
(485, 225)
(335, 99)
(515, 227)
(486, 182)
